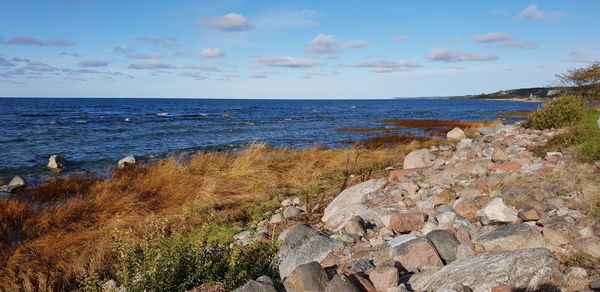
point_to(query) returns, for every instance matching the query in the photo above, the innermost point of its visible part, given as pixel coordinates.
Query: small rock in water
(56, 163)
(456, 134)
(126, 161)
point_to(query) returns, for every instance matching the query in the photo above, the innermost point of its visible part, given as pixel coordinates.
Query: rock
(530, 214)
(277, 218)
(343, 237)
(456, 134)
(589, 246)
(577, 279)
(466, 209)
(290, 212)
(352, 195)
(399, 174)
(243, 237)
(507, 166)
(126, 161)
(361, 266)
(527, 269)
(555, 237)
(384, 278)
(307, 277)
(553, 156)
(356, 227)
(262, 284)
(400, 239)
(496, 211)
(443, 197)
(510, 237)
(315, 248)
(445, 244)
(499, 155)
(586, 232)
(56, 163)
(295, 235)
(16, 183)
(412, 255)
(110, 286)
(503, 288)
(418, 159)
(407, 222)
(341, 282)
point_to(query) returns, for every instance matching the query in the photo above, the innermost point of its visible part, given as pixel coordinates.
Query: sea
(94, 133)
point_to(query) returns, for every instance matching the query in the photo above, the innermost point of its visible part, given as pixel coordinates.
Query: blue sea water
(95, 133)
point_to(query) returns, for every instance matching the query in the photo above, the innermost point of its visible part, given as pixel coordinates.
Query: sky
(290, 49)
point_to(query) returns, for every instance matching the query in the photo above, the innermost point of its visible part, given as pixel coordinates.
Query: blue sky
(291, 49)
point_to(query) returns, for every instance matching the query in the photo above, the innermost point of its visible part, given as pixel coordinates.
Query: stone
(553, 156)
(445, 244)
(407, 222)
(499, 155)
(295, 235)
(589, 246)
(412, 255)
(530, 214)
(456, 134)
(306, 277)
(466, 209)
(586, 232)
(418, 159)
(577, 279)
(276, 219)
(243, 237)
(56, 163)
(555, 237)
(510, 237)
(262, 284)
(16, 183)
(497, 212)
(507, 166)
(443, 197)
(290, 212)
(315, 248)
(126, 161)
(353, 195)
(527, 269)
(384, 278)
(400, 239)
(356, 227)
(361, 266)
(110, 286)
(341, 282)
(503, 288)
(399, 174)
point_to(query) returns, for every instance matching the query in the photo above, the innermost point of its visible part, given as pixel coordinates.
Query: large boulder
(412, 255)
(510, 237)
(497, 212)
(128, 160)
(16, 183)
(418, 159)
(314, 249)
(526, 269)
(456, 134)
(262, 284)
(307, 277)
(353, 195)
(56, 163)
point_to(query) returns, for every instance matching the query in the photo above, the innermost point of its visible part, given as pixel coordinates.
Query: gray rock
(262, 284)
(510, 237)
(445, 243)
(290, 212)
(276, 219)
(307, 277)
(341, 283)
(16, 183)
(356, 227)
(295, 235)
(418, 158)
(353, 195)
(361, 266)
(126, 161)
(527, 269)
(314, 249)
(400, 239)
(496, 211)
(56, 163)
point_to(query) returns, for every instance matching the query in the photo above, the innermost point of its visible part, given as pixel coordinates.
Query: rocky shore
(483, 214)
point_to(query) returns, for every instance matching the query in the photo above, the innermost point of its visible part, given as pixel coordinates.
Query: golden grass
(71, 227)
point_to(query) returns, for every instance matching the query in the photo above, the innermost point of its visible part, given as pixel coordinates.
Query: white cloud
(401, 38)
(201, 67)
(324, 44)
(502, 40)
(162, 41)
(578, 57)
(285, 61)
(229, 22)
(532, 12)
(379, 66)
(151, 65)
(133, 54)
(446, 55)
(93, 63)
(212, 53)
(31, 41)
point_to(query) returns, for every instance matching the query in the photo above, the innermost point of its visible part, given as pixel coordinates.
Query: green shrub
(588, 137)
(563, 111)
(181, 262)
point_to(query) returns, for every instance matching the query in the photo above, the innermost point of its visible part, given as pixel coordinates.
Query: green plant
(564, 111)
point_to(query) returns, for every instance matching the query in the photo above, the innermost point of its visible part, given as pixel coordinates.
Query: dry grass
(70, 227)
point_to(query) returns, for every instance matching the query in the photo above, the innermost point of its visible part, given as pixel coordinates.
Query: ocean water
(92, 134)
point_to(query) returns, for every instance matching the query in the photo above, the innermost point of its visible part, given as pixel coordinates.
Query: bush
(564, 111)
(181, 262)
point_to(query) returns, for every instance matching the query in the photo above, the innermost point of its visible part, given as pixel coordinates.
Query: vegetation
(168, 225)
(584, 82)
(564, 111)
